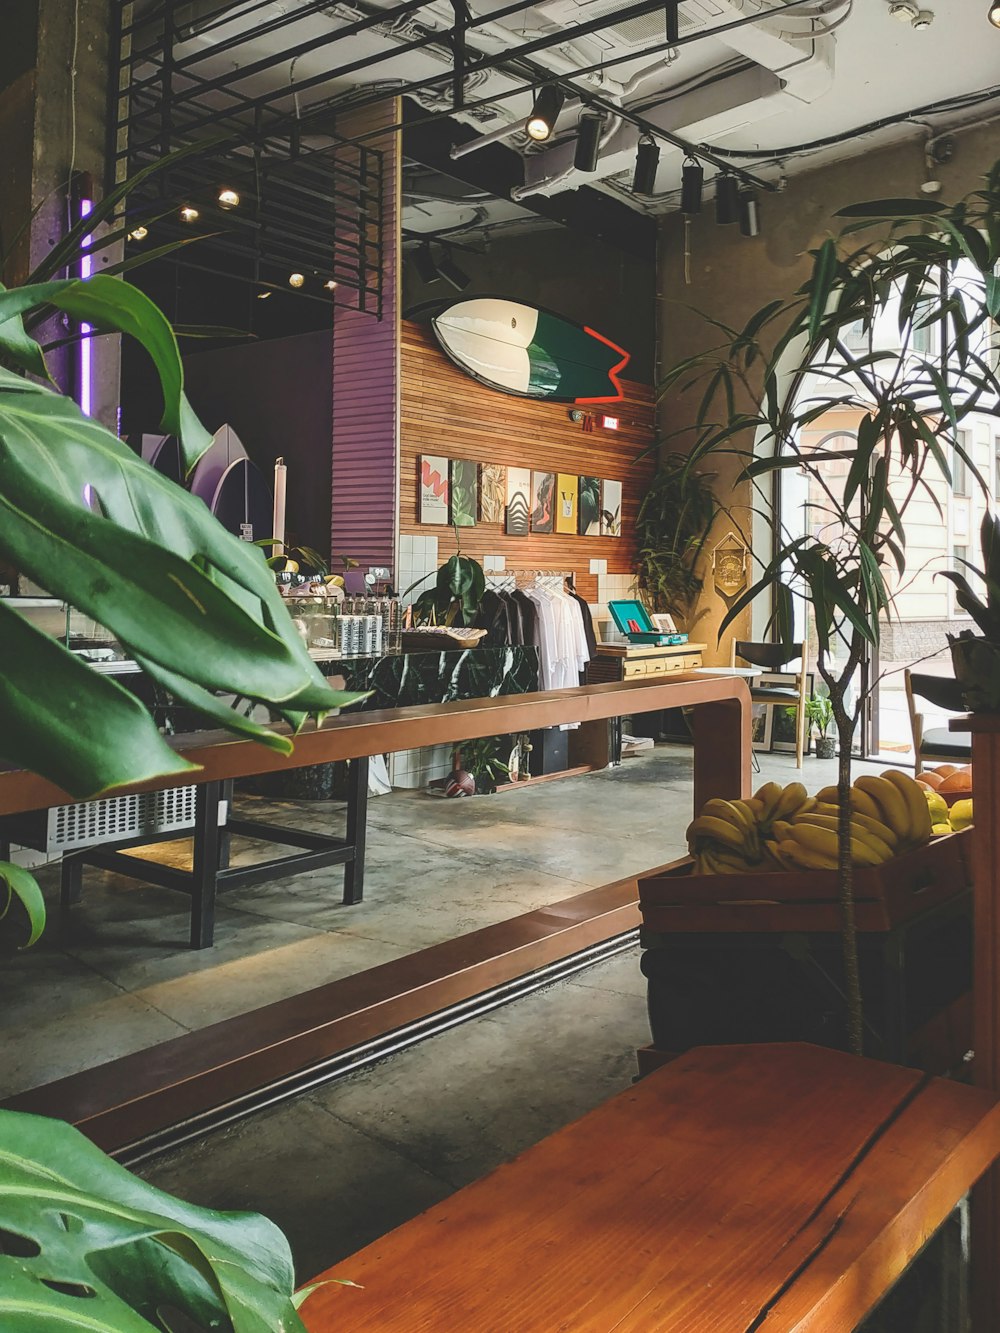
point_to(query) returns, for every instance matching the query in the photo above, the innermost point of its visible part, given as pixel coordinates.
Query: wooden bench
(772, 1189)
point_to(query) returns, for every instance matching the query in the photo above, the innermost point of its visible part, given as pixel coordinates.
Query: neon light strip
(85, 364)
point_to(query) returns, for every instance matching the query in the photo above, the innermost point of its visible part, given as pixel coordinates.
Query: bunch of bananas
(730, 837)
(786, 828)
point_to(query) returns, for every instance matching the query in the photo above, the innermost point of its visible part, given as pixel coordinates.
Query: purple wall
(366, 387)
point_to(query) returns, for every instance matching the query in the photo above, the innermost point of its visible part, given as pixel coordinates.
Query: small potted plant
(976, 657)
(819, 711)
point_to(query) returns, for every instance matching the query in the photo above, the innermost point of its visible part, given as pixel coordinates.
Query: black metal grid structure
(318, 215)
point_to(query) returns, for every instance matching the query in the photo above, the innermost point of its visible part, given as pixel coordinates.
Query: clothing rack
(504, 580)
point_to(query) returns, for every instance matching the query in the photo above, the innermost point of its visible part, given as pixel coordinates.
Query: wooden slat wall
(445, 411)
(366, 385)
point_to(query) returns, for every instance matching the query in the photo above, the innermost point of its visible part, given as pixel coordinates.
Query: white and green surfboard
(522, 350)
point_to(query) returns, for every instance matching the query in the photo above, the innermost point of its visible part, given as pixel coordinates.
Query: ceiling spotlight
(903, 11)
(330, 285)
(426, 268)
(139, 234)
(545, 112)
(749, 213)
(189, 213)
(993, 13)
(228, 198)
(450, 271)
(588, 142)
(296, 280)
(727, 198)
(692, 180)
(647, 159)
(264, 294)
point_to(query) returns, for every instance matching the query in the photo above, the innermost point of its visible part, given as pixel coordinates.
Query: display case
(80, 633)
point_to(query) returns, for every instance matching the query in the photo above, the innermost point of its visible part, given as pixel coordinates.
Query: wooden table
(722, 749)
(777, 1188)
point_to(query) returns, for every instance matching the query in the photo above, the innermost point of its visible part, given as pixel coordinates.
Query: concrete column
(53, 123)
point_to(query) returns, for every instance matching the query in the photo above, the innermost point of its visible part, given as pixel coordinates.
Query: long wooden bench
(767, 1189)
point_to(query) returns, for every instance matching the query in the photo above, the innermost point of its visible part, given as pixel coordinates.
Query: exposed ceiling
(770, 87)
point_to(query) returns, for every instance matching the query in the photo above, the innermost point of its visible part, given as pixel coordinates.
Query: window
(924, 337)
(958, 554)
(959, 467)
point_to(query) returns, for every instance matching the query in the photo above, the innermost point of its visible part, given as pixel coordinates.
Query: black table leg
(70, 880)
(357, 828)
(205, 870)
(616, 741)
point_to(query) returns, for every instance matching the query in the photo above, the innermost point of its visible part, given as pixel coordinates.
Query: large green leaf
(108, 303)
(91, 1247)
(16, 885)
(60, 718)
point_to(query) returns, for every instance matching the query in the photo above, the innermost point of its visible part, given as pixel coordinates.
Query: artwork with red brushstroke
(433, 488)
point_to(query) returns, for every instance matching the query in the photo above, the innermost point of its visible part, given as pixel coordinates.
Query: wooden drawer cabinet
(619, 661)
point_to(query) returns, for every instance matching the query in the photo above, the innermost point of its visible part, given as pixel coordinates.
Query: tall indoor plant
(932, 266)
(672, 527)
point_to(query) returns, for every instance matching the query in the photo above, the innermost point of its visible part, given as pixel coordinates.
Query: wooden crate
(678, 902)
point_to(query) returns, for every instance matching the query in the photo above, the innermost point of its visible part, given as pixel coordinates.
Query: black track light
(673, 21)
(450, 271)
(545, 112)
(588, 142)
(727, 198)
(426, 268)
(692, 180)
(647, 159)
(749, 213)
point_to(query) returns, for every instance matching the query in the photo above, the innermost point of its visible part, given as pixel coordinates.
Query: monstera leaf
(86, 1247)
(88, 520)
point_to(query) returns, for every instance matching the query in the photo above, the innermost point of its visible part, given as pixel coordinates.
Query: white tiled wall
(417, 556)
(611, 588)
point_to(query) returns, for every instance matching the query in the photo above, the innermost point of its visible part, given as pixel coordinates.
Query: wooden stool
(779, 1188)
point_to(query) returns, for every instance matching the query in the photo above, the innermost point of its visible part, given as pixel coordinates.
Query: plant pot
(977, 668)
(826, 747)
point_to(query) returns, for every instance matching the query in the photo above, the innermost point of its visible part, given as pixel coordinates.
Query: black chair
(935, 743)
(779, 657)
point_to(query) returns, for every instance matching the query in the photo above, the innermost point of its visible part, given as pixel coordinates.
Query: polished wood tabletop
(777, 1188)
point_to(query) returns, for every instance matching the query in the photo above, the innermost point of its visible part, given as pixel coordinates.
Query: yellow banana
(715, 830)
(858, 821)
(769, 794)
(755, 805)
(916, 803)
(858, 833)
(828, 795)
(790, 800)
(863, 803)
(804, 858)
(893, 808)
(823, 841)
(728, 810)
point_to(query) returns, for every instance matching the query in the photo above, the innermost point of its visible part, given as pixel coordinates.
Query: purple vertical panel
(366, 384)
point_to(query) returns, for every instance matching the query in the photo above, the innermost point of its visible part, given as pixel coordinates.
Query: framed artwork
(463, 492)
(492, 492)
(567, 498)
(590, 506)
(518, 501)
(433, 488)
(611, 509)
(543, 489)
(761, 721)
(784, 717)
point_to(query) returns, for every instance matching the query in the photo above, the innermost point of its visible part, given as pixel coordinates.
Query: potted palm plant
(819, 712)
(931, 268)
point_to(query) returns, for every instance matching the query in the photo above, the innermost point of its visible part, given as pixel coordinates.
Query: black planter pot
(977, 669)
(826, 747)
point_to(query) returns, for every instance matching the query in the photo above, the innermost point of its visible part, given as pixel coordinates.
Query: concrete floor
(118, 975)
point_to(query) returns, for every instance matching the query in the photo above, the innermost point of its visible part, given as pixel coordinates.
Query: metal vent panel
(118, 818)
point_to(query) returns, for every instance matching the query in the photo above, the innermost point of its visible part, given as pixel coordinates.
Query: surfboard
(529, 352)
(242, 501)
